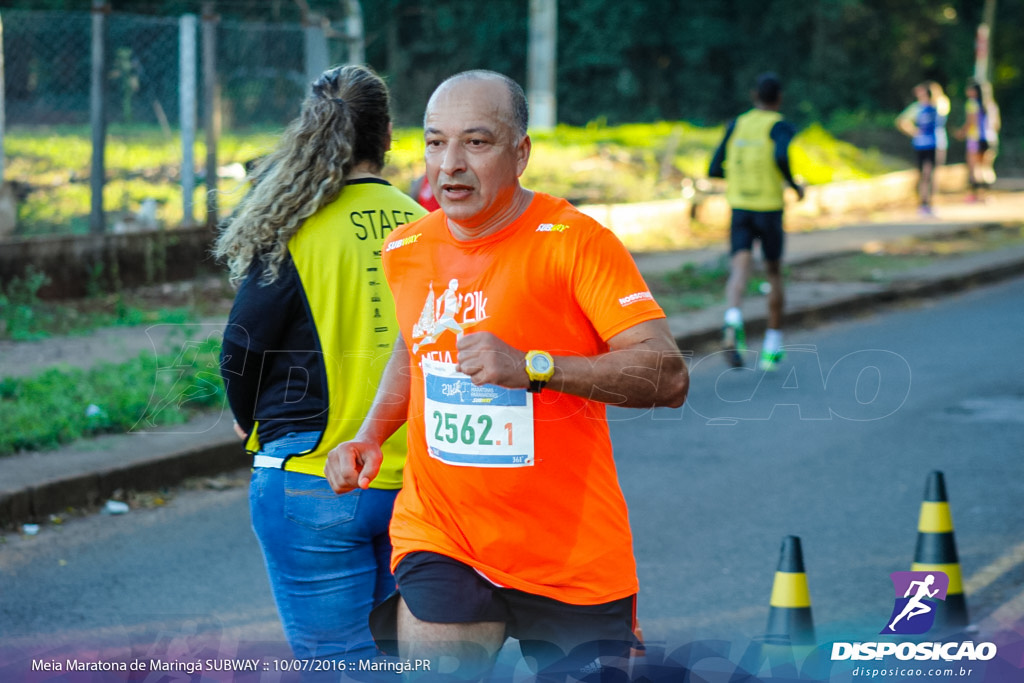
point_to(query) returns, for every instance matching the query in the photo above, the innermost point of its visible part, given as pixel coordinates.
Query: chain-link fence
(261, 74)
(47, 69)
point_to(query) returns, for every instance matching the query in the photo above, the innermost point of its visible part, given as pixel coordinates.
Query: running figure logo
(439, 314)
(914, 612)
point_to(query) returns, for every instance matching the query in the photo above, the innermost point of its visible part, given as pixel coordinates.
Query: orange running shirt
(554, 280)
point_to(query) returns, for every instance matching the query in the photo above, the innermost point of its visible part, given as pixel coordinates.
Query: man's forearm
(391, 404)
(629, 378)
(643, 369)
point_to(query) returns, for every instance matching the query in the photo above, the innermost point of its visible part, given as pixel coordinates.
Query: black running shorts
(439, 589)
(765, 226)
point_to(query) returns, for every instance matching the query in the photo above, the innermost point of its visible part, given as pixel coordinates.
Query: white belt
(293, 444)
(268, 461)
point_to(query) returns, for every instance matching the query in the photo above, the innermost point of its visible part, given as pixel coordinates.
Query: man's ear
(523, 154)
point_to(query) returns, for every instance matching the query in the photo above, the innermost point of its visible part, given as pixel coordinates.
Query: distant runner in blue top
(919, 121)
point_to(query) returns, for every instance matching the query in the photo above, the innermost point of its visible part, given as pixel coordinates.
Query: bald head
(476, 148)
(515, 109)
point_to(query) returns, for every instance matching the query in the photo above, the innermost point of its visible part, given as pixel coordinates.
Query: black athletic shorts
(925, 156)
(765, 226)
(561, 636)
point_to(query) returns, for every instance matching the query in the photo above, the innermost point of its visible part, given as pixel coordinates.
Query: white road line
(1008, 615)
(987, 575)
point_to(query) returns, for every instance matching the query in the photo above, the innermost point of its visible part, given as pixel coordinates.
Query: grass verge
(595, 163)
(62, 404)
(696, 287)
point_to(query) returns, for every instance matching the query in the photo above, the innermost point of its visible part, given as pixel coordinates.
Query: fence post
(98, 115)
(3, 103)
(541, 60)
(8, 201)
(187, 114)
(211, 108)
(315, 41)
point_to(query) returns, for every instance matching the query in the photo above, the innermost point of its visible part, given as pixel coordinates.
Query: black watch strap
(536, 385)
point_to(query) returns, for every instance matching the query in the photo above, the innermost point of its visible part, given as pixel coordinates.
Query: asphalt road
(835, 448)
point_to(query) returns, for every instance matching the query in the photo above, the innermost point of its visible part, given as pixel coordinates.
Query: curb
(36, 503)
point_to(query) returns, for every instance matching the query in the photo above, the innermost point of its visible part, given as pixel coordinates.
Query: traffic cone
(790, 627)
(936, 551)
(790, 614)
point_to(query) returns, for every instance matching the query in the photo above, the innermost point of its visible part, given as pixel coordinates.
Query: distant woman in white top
(942, 107)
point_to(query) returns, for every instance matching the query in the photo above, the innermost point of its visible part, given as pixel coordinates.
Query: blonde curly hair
(344, 122)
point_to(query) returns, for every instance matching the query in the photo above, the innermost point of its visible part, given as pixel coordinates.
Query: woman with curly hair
(309, 333)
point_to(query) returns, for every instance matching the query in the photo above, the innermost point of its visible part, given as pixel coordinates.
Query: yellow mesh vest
(754, 180)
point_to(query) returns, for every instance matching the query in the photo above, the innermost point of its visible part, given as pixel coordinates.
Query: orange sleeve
(609, 286)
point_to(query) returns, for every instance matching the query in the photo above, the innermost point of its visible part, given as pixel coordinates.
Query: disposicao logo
(913, 613)
(916, 596)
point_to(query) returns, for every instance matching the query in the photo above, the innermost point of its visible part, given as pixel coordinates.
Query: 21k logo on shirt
(453, 311)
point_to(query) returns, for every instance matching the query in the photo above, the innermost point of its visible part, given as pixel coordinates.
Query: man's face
(474, 156)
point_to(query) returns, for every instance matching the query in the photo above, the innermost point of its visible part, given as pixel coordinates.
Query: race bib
(476, 426)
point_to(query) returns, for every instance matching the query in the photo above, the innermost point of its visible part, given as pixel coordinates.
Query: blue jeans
(328, 558)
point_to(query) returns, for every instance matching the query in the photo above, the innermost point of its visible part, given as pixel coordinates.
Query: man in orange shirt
(511, 521)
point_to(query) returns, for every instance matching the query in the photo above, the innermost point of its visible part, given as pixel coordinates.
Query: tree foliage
(841, 60)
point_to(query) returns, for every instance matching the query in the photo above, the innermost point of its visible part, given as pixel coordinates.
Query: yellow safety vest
(755, 182)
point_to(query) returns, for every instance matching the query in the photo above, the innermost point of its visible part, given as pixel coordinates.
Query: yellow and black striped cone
(790, 613)
(936, 551)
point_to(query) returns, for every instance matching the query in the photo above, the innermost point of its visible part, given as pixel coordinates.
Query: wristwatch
(540, 366)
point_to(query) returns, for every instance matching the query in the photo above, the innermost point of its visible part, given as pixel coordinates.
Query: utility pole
(989, 15)
(542, 60)
(354, 31)
(983, 42)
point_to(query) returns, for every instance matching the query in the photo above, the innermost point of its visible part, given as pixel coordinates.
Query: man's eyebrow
(479, 130)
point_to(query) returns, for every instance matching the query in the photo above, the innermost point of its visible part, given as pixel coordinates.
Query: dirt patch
(111, 328)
